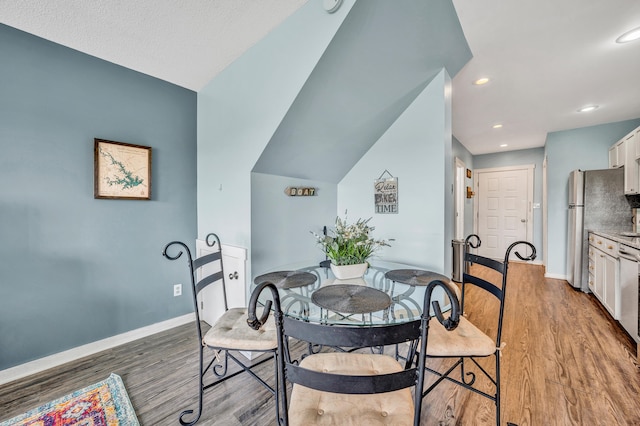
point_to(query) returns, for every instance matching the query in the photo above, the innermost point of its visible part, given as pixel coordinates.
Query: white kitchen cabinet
(598, 275)
(592, 269)
(610, 285)
(630, 164)
(617, 155)
(604, 273)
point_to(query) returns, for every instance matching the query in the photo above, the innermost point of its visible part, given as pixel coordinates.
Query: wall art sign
(294, 191)
(121, 170)
(386, 194)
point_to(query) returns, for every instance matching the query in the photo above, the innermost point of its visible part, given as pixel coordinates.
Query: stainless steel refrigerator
(596, 202)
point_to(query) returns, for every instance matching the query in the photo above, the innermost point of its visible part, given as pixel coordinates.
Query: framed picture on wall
(121, 170)
(469, 173)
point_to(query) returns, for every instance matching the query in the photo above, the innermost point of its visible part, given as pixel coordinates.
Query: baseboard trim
(42, 364)
(555, 276)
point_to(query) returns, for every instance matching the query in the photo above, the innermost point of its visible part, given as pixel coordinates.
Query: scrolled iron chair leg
(187, 412)
(472, 375)
(255, 323)
(220, 369)
(201, 383)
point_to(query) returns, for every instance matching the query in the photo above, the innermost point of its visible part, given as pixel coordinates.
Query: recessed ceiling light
(634, 34)
(588, 108)
(481, 81)
(503, 145)
(497, 126)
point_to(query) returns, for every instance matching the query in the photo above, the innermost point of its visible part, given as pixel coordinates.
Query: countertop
(620, 237)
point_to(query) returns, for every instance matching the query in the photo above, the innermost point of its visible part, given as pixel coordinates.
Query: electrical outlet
(177, 290)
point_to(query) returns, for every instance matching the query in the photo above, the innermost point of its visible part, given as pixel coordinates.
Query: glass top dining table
(388, 293)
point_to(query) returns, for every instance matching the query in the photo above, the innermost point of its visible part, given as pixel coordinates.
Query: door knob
(234, 275)
(523, 220)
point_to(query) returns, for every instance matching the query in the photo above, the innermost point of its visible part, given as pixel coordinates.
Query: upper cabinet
(626, 153)
(631, 165)
(617, 155)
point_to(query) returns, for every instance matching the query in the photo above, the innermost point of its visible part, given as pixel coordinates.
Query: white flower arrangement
(349, 244)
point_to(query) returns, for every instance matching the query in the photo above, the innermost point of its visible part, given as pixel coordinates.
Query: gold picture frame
(121, 170)
(468, 173)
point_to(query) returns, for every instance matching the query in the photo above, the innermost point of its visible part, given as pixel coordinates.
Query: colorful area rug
(103, 404)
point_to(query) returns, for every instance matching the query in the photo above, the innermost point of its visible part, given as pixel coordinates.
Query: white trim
(529, 168)
(459, 197)
(42, 364)
(506, 168)
(545, 212)
(556, 276)
(536, 262)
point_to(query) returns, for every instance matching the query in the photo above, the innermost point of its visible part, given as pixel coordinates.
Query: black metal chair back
(499, 266)
(474, 342)
(225, 334)
(352, 337)
(204, 271)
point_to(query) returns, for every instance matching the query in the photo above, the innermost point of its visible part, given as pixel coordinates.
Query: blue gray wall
(281, 225)
(461, 152)
(586, 148)
(76, 269)
(518, 158)
(414, 149)
(239, 111)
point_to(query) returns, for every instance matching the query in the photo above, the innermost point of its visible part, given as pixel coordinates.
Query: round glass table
(388, 293)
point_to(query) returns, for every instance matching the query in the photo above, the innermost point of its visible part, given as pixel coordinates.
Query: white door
(503, 209)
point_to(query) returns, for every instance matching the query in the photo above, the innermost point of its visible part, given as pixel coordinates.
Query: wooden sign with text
(294, 191)
(386, 195)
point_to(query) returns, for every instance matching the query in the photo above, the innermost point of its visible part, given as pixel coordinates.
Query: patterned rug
(103, 404)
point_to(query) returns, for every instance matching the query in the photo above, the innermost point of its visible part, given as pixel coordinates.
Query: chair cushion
(465, 340)
(312, 407)
(231, 331)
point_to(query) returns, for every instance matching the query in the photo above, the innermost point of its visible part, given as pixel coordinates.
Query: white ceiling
(186, 42)
(545, 58)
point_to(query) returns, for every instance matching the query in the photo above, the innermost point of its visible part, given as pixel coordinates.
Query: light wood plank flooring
(566, 363)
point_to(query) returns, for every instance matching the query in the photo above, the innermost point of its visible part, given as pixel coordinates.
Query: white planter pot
(345, 272)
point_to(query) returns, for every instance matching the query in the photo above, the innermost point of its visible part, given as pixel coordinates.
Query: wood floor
(566, 362)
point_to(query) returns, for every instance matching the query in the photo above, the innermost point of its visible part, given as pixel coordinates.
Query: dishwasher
(629, 288)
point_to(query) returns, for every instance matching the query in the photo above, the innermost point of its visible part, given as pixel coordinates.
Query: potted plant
(349, 246)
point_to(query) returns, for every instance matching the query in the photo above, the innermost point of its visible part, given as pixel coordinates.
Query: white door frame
(459, 194)
(529, 168)
(544, 211)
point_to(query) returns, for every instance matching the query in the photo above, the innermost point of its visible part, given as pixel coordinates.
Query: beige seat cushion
(465, 340)
(231, 331)
(312, 407)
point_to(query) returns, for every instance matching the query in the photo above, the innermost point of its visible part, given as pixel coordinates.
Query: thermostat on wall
(331, 5)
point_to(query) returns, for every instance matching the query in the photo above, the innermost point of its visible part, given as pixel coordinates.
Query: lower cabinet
(610, 290)
(596, 265)
(603, 279)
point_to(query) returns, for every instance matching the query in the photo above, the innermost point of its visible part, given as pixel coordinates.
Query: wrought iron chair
(467, 342)
(344, 387)
(229, 333)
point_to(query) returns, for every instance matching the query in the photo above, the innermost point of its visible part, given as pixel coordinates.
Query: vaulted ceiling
(545, 58)
(380, 59)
